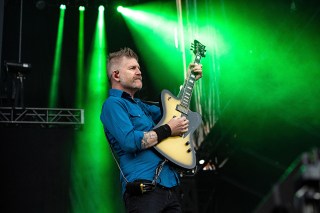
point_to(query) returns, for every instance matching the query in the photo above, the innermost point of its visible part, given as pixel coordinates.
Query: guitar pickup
(182, 109)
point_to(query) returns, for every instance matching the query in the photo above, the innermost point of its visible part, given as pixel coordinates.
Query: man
(128, 124)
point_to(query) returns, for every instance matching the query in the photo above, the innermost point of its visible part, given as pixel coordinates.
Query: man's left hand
(196, 69)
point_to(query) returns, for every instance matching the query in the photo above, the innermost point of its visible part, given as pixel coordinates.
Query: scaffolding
(46, 117)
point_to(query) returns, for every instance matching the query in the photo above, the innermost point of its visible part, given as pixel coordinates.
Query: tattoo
(149, 139)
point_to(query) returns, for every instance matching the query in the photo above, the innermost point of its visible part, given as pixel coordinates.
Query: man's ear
(116, 75)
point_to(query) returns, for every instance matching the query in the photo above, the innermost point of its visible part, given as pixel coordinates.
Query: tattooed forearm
(149, 139)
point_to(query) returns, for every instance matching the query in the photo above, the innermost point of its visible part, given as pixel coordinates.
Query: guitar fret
(186, 101)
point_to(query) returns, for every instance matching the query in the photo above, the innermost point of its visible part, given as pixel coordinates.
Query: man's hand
(196, 69)
(178, 125)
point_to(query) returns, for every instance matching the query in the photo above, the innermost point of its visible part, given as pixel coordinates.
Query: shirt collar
(119, 93)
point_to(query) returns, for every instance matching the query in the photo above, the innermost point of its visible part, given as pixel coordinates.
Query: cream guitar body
(179, 149)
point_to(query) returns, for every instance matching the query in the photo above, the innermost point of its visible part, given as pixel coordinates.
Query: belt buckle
(147, 187)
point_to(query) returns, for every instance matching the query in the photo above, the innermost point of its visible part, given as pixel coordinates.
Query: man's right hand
(178, 125)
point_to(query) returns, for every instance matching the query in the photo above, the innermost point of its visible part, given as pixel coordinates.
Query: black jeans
(160, 200)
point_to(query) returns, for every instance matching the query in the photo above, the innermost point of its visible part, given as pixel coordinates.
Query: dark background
(37, 160)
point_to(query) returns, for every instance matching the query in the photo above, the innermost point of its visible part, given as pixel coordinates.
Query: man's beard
(133, 85)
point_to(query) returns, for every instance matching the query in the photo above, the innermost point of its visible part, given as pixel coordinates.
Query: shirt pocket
(135, 118)
(139, 120)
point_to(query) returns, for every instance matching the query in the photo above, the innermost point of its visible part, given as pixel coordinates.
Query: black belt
(157, 185)
(141, 186)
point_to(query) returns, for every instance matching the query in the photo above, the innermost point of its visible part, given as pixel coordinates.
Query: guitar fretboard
(187, 90)
(188, 86)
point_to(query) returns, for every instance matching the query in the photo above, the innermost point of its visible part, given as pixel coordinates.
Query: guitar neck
(188, 85)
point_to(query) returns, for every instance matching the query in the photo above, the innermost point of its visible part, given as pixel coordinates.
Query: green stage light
(92, 163)
(120, 9)
(53, 96)
(153, 26)
(163, 37)
(82, 8)
(63, 7)
(80, 62)
(101, 8)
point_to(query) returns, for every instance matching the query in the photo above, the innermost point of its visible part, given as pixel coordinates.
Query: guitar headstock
(198, 48)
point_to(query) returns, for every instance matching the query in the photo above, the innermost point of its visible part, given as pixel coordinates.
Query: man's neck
(130, 92)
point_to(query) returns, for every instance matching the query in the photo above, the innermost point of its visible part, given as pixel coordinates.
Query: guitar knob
(187, 143)
(189, 150)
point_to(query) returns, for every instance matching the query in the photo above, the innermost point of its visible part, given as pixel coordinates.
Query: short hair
(115, 58)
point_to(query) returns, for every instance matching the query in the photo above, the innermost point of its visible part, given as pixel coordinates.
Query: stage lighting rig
(18, 68)
(41, 4)
(18, 71)
(81, 4)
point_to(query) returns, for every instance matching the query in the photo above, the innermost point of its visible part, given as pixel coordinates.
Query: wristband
(163, 132)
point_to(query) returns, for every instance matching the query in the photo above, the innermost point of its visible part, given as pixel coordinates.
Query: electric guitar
(180, 149)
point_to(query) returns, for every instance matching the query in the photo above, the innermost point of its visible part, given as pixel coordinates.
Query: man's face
(130, 75)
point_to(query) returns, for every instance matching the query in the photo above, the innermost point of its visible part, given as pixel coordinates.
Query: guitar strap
(158, 171)
(116, 160)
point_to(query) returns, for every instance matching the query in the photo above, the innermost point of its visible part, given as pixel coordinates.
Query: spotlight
(101, 8)
(41, 4)
(82, 8)
(18, 68)
(120, 9)
(63, 7)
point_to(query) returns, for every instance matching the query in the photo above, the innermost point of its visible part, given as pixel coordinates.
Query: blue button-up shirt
(125, 120)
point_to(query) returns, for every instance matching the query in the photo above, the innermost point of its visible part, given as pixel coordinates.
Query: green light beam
(93, 173)
(63, 7)
(80, 65)
(164, 35)
(57, 61)
(154, 29)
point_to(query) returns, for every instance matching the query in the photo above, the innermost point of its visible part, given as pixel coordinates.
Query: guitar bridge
(182, 109)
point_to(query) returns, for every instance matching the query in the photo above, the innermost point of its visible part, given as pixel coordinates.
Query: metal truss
(41, 116)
